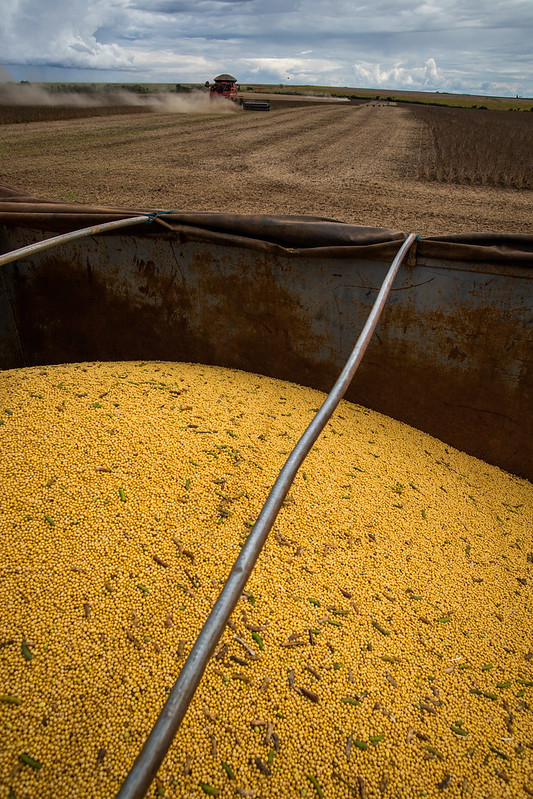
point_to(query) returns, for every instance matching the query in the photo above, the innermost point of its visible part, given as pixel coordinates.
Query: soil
(341, 161)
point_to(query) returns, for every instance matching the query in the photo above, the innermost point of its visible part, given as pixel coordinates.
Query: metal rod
(160, 738)
(54, 241)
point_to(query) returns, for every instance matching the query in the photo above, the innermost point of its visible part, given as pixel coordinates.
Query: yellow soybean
(127, 491)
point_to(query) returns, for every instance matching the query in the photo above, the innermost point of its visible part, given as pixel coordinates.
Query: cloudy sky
(474, 46)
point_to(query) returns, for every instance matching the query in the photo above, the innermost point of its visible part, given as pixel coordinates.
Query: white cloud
(426, 77)
(60, 33)
(298, 70)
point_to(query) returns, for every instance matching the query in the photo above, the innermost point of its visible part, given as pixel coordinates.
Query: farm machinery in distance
(226, 86)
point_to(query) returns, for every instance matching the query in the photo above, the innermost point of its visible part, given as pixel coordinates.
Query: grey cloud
(435, 43)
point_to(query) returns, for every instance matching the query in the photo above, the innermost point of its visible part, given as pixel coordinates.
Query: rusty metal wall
(451, 355)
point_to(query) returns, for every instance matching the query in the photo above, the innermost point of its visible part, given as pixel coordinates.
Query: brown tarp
(292, 234)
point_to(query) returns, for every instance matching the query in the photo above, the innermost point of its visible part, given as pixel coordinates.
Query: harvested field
(357, 164)
(20, 114)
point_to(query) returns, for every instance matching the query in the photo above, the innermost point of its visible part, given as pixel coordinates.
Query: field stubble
(378, 165)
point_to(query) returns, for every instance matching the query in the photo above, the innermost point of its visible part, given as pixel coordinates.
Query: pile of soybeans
(383, 646)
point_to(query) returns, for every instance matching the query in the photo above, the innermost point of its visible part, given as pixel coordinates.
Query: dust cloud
(196, 102)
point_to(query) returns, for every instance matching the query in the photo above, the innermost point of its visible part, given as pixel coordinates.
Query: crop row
(473, 147)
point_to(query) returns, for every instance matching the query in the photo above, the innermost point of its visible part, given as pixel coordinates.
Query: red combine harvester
(226, 86)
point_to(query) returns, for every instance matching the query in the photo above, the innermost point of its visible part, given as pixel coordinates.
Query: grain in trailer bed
(383, 644)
